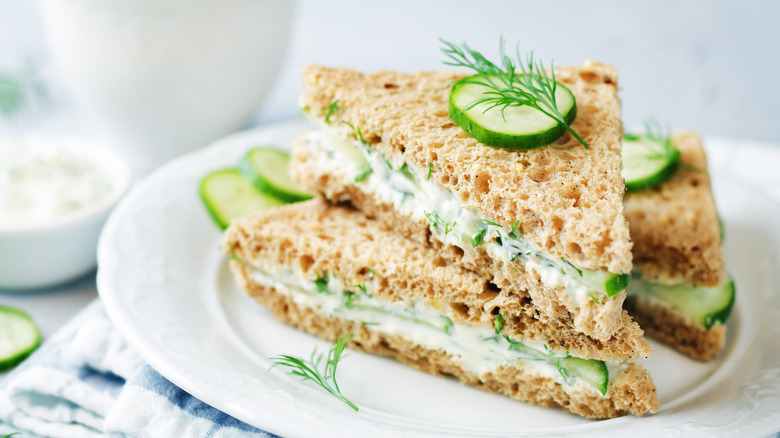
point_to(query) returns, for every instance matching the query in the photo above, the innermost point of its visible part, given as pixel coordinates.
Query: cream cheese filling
(477, 349)
(415, 196)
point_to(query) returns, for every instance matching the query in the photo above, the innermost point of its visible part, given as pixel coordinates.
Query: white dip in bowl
(55, 194)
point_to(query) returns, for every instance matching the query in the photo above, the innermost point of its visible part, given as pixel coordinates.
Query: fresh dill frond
(430, 170)
(332, 109)
(323, 374)
(362, 287)
(533, 86)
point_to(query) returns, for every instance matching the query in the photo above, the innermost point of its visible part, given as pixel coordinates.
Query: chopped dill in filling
(479, 349)
(419, 197)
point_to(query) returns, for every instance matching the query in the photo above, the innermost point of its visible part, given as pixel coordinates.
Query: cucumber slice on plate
(514, 127)
(266, 168)
(228, 195)
(706, 305)
(647, 161)
(19, 336)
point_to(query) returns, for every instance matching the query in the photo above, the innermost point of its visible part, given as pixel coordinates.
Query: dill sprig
(323, 374)
(531, 87)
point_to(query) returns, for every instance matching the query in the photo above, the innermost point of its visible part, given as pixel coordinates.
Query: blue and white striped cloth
(87, 382)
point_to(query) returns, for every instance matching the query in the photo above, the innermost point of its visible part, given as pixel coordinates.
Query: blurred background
(705, 65)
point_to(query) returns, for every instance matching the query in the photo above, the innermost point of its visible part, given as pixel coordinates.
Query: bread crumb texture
(313, 238)
(675, 226)
(631, 391)
(568, 199)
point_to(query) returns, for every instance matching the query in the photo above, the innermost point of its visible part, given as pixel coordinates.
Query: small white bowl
(62, 249)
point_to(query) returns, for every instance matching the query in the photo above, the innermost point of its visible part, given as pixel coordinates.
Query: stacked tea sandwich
(462, 237)
(681, 293)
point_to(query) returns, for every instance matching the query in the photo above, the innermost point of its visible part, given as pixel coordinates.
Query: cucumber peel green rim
(266, 168)
(514, 126)
(504, 88)
(705, 305)
(648, 161)
(21, 336)
(227, 195)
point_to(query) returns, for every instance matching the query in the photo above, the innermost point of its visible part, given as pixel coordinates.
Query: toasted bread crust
(632, 390)
(600, 321)
(678, 331)
(313, 239)
(675, 227)
(568, 199)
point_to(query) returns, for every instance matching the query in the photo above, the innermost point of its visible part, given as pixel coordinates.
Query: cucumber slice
(706, 305)
(593, 372)
(647, 161)
(601, 281)
(228, 195)
(19, 336)
(266, 168)
(516, 127)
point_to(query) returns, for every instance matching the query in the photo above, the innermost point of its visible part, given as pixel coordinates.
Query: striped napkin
(88, 382)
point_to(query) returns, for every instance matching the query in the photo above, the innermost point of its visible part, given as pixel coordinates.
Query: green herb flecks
(351, 298)
(515, 226)
(332, 109)
(498, 323)
(321, 282)
(579, 271)
(532, 87)
(478, 238)
(430, 171)
(319, 372)
(358, 132)
(438, 222)
(363, 175)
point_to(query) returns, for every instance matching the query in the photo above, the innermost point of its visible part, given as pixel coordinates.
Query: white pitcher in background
(163, 77)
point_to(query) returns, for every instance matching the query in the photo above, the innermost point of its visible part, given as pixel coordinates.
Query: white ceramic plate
(167, 288)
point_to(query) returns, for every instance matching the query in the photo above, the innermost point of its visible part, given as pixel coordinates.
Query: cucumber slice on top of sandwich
(648, 161)
(514, 126)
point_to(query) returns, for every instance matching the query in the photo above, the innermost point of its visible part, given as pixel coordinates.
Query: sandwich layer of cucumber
(330, 270)
(546, 222)
(682, 294)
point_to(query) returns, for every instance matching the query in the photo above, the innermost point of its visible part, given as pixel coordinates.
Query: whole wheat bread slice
(312, 238)
(676, 233)
(568, 200)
